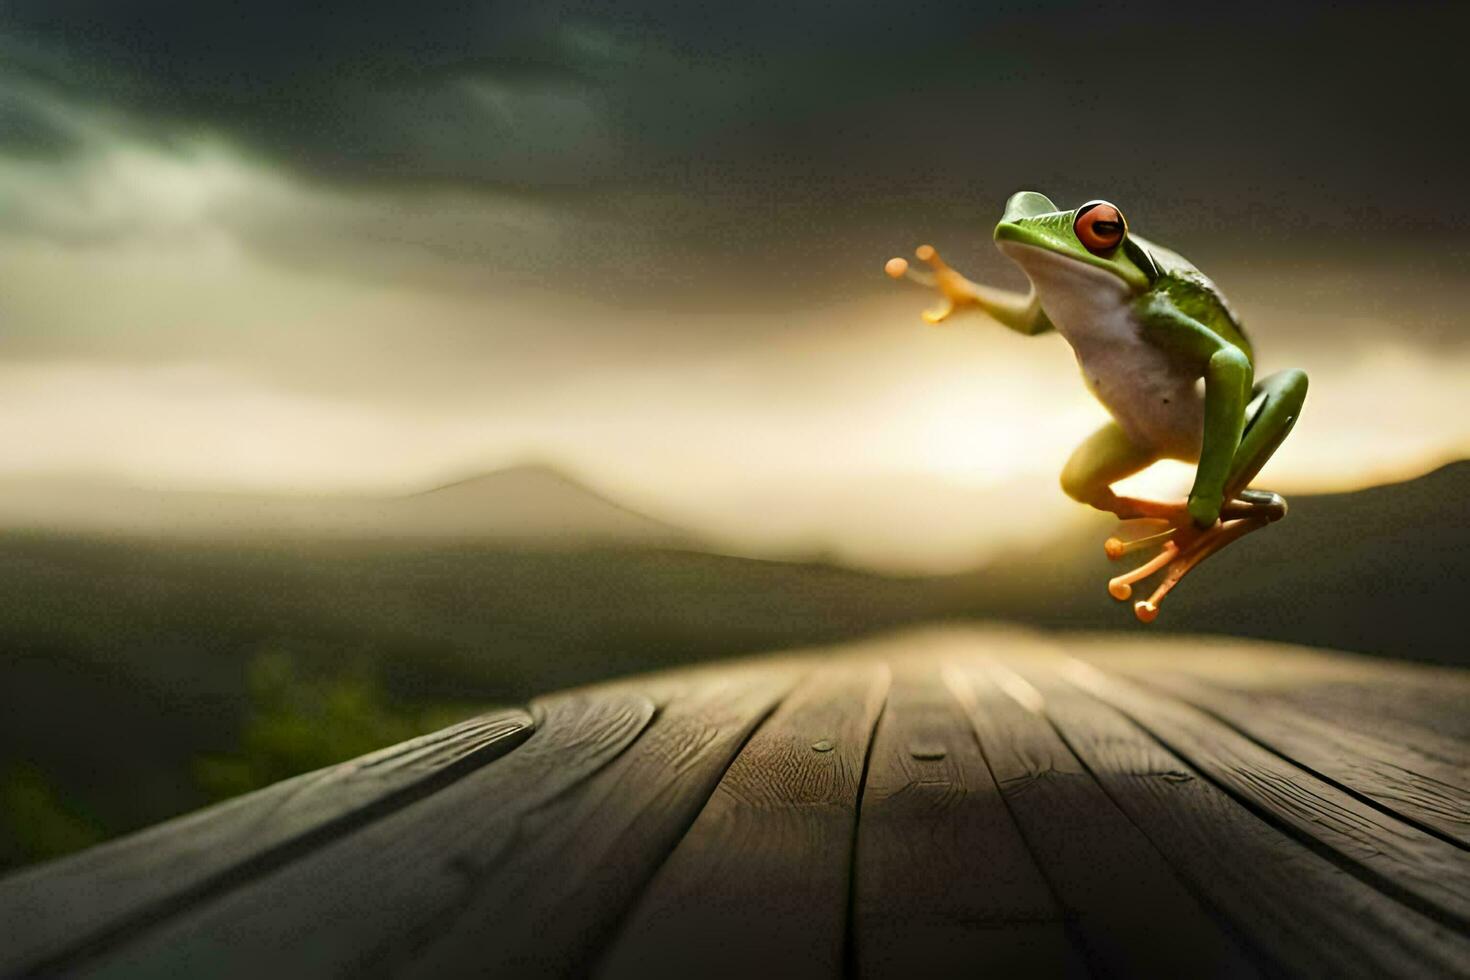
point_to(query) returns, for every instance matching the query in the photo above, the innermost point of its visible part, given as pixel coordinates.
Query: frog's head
(1035, 234)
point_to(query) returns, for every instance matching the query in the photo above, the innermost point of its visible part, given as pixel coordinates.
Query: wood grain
(106, 891)
(944, 883)
(1398, 777)
(1419, 868)
(759, 885)
(1130, 912)
(1302, 912)
(945, 802)
(341, 909)
(582, 859)
(1404, 703)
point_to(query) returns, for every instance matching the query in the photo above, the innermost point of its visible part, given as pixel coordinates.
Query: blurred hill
(532, 502)
(1384, 570)
(529, 504)
(144, 674)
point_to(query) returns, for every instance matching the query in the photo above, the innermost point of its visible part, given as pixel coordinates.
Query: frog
(1164, 352)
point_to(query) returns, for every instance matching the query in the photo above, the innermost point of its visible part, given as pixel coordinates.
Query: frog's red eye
(1099, 226)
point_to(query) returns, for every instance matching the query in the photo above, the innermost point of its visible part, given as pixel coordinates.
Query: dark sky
(716, 145)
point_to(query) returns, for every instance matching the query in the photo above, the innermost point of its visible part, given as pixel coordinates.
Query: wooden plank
(944, 884)
(1301, 911)
(80, 901)
(581, 860)
(759, 884)
(1424, 870)
(1131, 914)
(1433, 720)
(1396, 777)
(334, 911)
(1413, 704)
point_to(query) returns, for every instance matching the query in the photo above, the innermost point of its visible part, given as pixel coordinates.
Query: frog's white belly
(1154, 396)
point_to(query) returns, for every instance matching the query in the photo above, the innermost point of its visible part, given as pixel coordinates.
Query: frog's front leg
(1020, 312)
(1280, 397)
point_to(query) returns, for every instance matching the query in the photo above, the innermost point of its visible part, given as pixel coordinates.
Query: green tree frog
(1164, 353)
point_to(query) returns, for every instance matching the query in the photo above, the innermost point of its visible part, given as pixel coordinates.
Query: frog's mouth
(1060, 272)
(1052, 235)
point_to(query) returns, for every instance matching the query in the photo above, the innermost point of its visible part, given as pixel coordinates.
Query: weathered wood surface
(1425, 871)
(80, 901)
(943, 875)
(1410, 783)
(608, 836)
(369, 899)
(1130, 913)
(942, 803)
(1301, 912)
(763, 874)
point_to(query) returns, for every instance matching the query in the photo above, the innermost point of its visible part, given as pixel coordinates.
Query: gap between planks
(1325, 919)
(1420, 869)
(1125, 902)
(762, 876)
(943, 883)
(1301, 910)
(1393, 778)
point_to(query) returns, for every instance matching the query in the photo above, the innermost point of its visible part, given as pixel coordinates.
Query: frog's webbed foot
(1140, 511)
(954, 289)
(1182, 547)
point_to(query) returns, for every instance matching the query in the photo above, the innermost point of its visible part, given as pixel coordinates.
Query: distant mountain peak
(527, 504)
(528, 472)
(532, 500)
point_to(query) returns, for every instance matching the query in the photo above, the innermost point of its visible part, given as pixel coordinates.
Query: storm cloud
(697, 150)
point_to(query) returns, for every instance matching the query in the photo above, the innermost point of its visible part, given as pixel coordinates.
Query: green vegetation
(293, 721)
(297, 723)
(35, 823)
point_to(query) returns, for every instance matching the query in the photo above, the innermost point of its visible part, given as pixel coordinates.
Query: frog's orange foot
(954, 289)
(1144, 523)
(1207, 544)
(1182, 549)
(1137, 534)
(1120, 587)
(898, 268)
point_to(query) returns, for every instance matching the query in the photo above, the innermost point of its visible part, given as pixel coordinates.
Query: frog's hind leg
(1278, 403)
(1107, 456)
(1280, 397)
(1104, 458)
